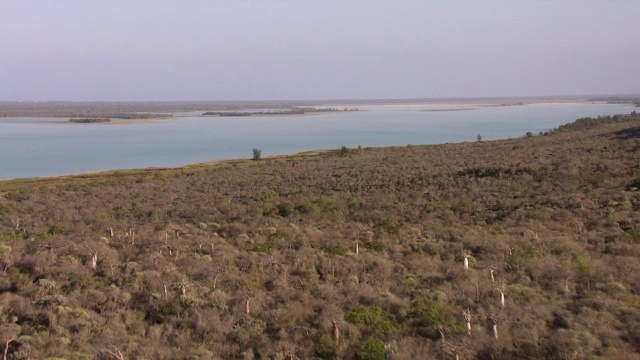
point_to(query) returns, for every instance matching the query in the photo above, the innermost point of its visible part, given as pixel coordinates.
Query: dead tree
(502, 289)
(494, 326)
(6, 347)
(93, 260)
(247, 306)
(335, 331)
(16, 224)
(466, 254)
(114, 351)
(467, 319)
(110, 231)
(440, 329)
(493, 279)
(215, 280)
(182, 286)
(454, 353)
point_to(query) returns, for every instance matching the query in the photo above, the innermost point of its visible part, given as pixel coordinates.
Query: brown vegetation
(521, 248)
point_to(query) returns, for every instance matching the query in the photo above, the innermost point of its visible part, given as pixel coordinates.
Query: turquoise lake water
(32, 147)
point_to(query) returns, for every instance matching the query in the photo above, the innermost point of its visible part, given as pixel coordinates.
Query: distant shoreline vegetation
(89, 120)
(445, 110)
(122, 116)
(587, 123)
(292, 111)
(136, 116)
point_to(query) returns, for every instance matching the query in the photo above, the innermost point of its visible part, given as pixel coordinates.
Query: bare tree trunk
(502, 301)
(357, 248)
(493, 279)
(466, 255)
(467, 319)
(335, 332)
(6, 348)
(115, 352)
(495, 330)
(247, 307)
(94, 260)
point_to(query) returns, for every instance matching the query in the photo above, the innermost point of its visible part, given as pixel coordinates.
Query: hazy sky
(316, 49)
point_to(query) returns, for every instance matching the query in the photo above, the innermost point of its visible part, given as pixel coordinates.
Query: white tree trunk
(6, 348)
(495, 330)
(466, 263)
(336, 332)
(94, 261)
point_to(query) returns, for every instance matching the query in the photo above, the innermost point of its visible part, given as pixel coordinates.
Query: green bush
(429, 315)
(336, 249)
(390, 226)
(373, 320)
(372, 349)
(257, 154)
(267, 247)
(325, 348)
(374, 246)
(286, 209)
(633, 235)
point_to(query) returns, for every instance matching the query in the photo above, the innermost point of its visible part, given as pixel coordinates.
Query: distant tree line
(90, 120)
(291, 111)
(593, 122)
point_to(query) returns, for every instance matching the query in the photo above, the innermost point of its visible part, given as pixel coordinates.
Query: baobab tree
(93, 260)
(502, 289)
(494, 326)
(491, 272)
(466, 314)
(16, 224)
(335, 331)
(466, 254)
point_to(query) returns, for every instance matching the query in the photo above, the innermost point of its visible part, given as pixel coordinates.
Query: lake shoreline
(48, 109)
(33, 150)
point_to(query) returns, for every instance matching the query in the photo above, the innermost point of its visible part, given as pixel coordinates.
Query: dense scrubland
(511, 249)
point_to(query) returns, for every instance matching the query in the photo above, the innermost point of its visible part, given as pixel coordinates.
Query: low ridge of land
(156, 109)
(511, 249)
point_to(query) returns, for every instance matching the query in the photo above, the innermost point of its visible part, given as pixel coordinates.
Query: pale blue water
(35, 147)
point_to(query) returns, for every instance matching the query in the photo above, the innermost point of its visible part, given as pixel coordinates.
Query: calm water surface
(36, 147)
